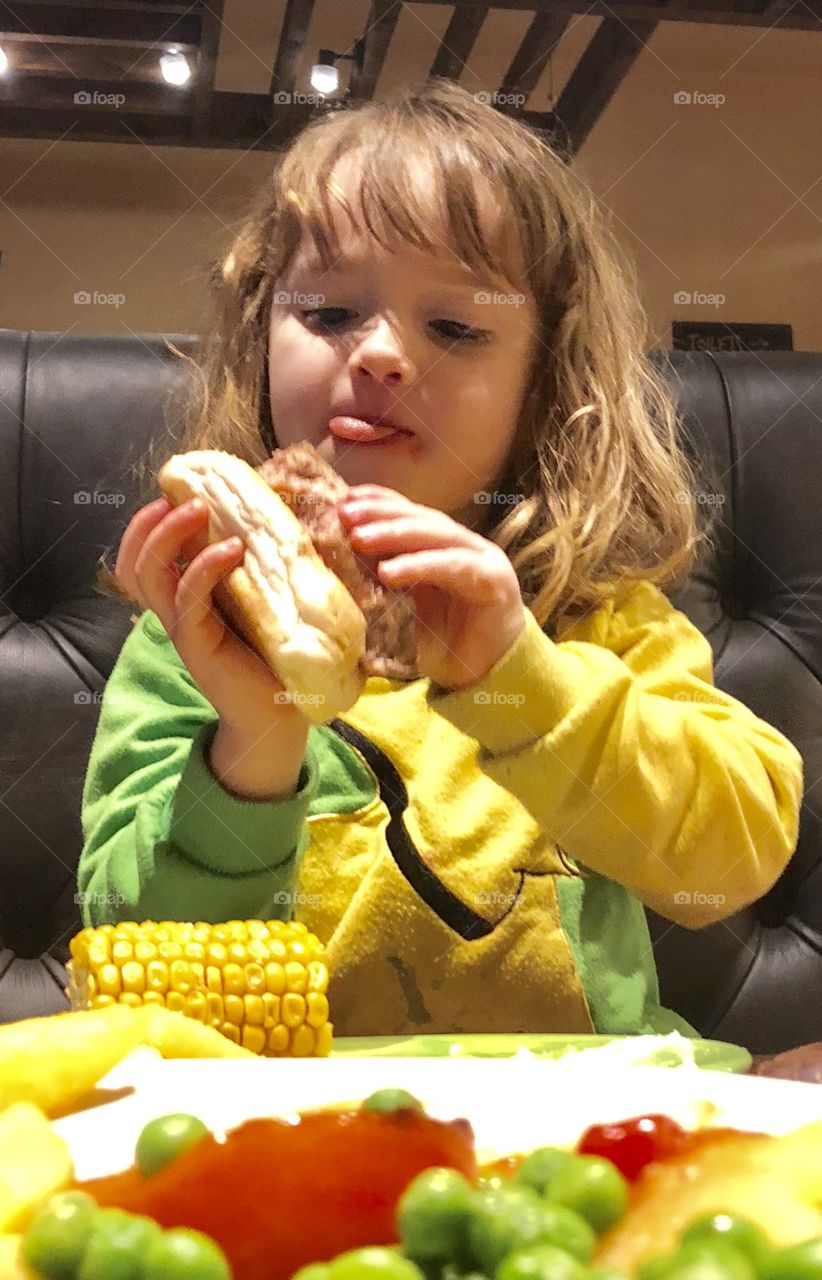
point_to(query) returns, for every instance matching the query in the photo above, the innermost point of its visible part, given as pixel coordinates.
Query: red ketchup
(633, 1144)
(276, 1195)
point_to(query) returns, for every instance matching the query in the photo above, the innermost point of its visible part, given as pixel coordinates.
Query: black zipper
(446, 905)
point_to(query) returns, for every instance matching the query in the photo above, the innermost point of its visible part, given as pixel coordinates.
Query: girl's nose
(381, 355)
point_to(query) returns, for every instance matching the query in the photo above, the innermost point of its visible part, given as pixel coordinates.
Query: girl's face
(413, 338)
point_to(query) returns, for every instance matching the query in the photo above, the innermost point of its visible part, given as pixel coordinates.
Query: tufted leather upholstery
(75, 414)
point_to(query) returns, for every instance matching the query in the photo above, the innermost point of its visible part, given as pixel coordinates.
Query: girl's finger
(456, 570)
(196, 622)
(132, 541)
(154, 569)
(411, 533)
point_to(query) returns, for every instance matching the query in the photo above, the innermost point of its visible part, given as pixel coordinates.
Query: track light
(175, 67)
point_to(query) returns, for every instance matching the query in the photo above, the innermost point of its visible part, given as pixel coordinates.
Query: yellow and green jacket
(475, 860)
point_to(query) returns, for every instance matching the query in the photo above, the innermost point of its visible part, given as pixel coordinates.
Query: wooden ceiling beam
(110, 25)
(238, 121)
(528, 63)
(293, 35)
(95, 98)
(806, 16)
(206, 71)
(458, 41)
(383, 17)
(611, 52)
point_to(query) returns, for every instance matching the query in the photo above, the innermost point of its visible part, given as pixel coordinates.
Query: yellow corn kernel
(317, 977)
(296, 978)
(144, 950)
(302, 1042)
(233, 979)
(196, 1006)
(254, 1010)
(103, 1001)
(324, 1040)
(234, 1009)
(253, 1038)
(134, 977)
(153, 997)
(271, 1007)
(179, 976)
(110, 982)
(293, 1009)
(157, 976)
(131, 998)
(216, 1008)
(214, 979)
(176, 1002)
(231, 1032)
(255, 978)
(216, 953)
(277, 1041)
(275, 978)
(317, 1004)
(122, 950)
(170, 950)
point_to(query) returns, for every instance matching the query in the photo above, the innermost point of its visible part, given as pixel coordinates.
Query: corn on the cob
(262, 983)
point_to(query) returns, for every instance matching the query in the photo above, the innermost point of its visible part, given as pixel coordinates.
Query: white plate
(514, 1104)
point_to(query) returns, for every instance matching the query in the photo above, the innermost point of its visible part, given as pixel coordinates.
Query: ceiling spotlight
(175, 67)
(325, 77)
(4, 62)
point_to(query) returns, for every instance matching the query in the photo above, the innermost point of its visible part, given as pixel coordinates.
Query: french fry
(35, 1162)
(9, 1268)
(52, 1062)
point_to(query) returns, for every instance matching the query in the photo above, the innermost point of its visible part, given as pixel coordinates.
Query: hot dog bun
(283, 600)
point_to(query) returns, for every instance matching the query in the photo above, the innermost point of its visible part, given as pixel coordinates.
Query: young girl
(475, 845)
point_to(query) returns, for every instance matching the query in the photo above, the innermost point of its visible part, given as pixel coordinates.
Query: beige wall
(704, 198)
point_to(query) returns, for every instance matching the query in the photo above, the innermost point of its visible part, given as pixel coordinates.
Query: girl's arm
(621, 747)
(163, 838)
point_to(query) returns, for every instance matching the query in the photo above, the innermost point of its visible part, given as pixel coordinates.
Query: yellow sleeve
(629, 757)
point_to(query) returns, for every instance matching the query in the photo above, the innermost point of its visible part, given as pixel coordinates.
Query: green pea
(182, 1254)
(567, 1230)
(115, 1248)
(539, 1167)
(703, 1260)
(56, 1238)
(592, 1187)
(373, 1263)
(433, 1215)
(541, 1262)
(386, 1100)
(604, 1273)
(740, 1232)
(795, 1262)
(655, 1267)
(314, 1271)
(504, 1219)
(165, 1138)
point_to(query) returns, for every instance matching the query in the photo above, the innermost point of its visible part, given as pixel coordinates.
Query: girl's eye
(330, 318)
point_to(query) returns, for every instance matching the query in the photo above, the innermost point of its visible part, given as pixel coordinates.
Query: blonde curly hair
(606, 494)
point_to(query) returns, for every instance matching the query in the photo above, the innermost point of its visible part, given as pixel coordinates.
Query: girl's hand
(465, 591)
(238, 684)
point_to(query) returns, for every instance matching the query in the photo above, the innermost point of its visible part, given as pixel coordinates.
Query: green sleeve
(163, 840)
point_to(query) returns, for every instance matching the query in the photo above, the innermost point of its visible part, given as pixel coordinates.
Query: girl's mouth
(358, 431)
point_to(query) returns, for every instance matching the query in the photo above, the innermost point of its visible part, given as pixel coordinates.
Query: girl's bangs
(391, 208)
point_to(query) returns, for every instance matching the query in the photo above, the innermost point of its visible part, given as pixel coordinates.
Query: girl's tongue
(360, 432)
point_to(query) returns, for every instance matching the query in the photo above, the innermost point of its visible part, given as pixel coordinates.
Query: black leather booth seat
(75, 414)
